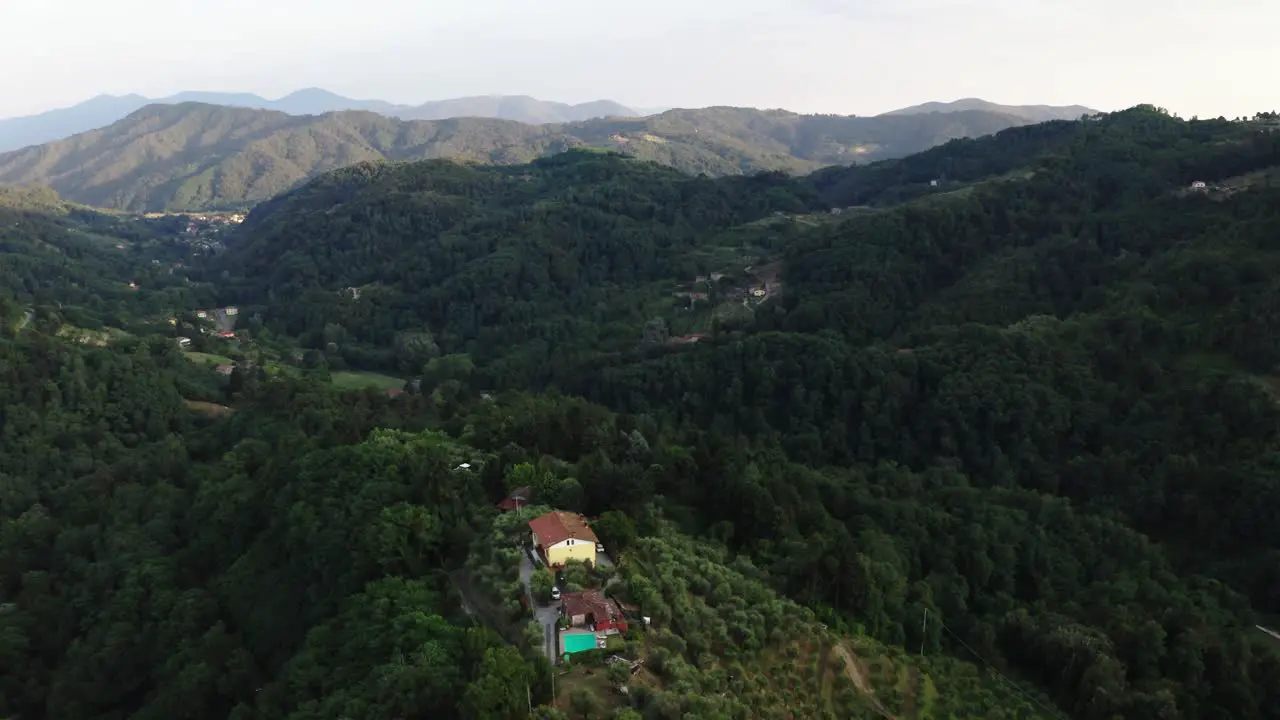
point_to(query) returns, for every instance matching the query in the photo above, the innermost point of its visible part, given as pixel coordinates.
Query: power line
(1052, 712)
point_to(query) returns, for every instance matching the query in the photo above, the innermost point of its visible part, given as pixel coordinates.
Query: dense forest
(995, 428)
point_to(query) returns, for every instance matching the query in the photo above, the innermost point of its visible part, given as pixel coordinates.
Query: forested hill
(1052, 374)
(193, 156)
(1003, 447)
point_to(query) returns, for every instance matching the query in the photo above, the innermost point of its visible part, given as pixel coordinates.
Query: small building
(394, 392)
(231, 311)
(184, 342)
(519, 496)
(563, 536)
(225, 369)
(202, 314)
(933, 183)
(227, 334)
(686, 339)
(593, 611)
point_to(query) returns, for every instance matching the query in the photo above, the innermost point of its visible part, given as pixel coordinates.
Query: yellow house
(563, 536)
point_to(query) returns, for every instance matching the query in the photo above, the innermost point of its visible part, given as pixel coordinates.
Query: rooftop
(591, 602)
(558, 526)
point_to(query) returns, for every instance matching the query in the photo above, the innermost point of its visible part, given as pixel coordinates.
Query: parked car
(555, 593)
(599, 548)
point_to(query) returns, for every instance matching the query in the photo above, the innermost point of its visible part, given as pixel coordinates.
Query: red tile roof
(592, 602)
(517, 496)
(557, 526)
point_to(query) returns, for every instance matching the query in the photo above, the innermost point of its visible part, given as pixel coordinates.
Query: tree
(501, 691)
(616, 530)
(540, 583)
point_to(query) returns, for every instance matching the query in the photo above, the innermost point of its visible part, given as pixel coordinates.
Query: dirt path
(857, 674)
(909, 704)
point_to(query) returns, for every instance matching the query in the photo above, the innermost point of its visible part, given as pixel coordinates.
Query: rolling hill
(1054, 385)
(1032, 113)
(20, 132)
(1004, 447)
(194, 156)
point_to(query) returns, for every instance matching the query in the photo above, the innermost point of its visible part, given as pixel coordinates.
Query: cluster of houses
(557, 538)
(220, 318)
(195, 222)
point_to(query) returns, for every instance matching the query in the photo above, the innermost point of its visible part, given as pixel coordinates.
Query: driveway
(545, 615)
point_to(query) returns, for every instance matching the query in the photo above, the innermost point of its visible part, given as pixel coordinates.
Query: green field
(209, 358)
(359, 380)
(85, 336)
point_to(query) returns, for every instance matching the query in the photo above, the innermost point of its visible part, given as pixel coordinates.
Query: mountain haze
(20, 132)
(197, 156)
(1032, 113)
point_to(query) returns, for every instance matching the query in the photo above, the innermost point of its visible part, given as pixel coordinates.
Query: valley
(984, 431)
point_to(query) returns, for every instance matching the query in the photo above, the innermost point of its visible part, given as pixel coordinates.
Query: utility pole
(923, 629)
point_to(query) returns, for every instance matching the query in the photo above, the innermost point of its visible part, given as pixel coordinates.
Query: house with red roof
(519, 496)
(594, 611)
(563, 536)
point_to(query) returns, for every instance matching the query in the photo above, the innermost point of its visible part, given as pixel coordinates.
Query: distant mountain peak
(1033, 113)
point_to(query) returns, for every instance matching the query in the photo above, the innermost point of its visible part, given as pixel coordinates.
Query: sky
(833, 56)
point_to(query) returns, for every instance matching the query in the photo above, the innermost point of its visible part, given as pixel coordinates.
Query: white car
(599, 548)
(555, 593)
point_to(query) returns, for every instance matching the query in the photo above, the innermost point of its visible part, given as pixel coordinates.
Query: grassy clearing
(209, 358)
(352, 380)
(213, 410)
(99, 338)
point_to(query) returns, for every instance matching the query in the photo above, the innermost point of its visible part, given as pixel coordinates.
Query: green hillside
(191, 156)
(1007, 447)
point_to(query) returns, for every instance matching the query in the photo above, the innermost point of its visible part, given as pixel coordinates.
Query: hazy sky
(844, 56)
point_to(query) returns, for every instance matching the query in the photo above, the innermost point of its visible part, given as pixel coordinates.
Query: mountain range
(1032, 113)
(19, 132)
(197, 156)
